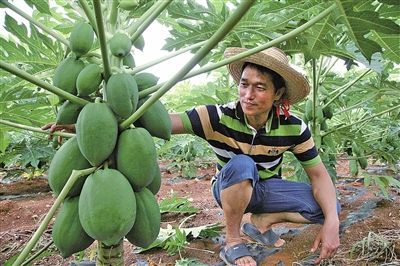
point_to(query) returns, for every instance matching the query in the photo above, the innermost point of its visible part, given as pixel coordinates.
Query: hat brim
(297, 86)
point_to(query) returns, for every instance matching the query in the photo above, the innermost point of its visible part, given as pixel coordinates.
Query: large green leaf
(41, 6)
(390, 44)
(359, 24)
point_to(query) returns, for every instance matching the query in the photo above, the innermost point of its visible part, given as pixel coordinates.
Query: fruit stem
(102, 38)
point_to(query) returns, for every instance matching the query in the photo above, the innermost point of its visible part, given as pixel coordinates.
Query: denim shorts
(270, 195)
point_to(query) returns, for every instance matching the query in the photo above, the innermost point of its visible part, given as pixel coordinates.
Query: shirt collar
(272, 121)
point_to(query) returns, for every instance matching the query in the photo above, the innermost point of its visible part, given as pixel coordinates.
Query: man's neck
(257, 122)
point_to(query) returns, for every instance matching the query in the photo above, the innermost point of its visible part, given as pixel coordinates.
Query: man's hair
(276, 79)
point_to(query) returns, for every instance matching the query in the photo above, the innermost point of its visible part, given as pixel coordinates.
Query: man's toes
(279, 243)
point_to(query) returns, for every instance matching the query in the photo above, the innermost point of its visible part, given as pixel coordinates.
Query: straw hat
(297, 86)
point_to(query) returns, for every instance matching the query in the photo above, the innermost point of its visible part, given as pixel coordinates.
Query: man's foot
(263, 231)
(236, 253)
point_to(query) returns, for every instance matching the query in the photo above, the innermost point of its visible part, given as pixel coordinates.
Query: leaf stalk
(217, 36)
(41, 26)
(47, 86)
(43, 225)
(166, 57)
(252, 51)
(35, 129)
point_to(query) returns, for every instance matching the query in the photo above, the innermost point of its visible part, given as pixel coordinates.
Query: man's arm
(177, 124)
(325, 195)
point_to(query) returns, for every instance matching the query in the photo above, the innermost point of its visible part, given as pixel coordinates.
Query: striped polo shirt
(225, 128)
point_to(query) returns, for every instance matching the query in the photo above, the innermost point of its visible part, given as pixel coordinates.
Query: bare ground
(365, 213)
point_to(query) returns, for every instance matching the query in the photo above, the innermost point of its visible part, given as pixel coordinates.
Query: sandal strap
(237, 251)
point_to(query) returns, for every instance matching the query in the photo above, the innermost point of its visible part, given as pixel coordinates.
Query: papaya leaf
(4, 140)
(390, 44)
(358, 24)
(176, 204)
(175, 238)
(41, 6)
(189, 262)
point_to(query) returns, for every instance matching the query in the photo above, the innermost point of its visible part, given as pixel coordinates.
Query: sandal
(233, 253)
(268, 238)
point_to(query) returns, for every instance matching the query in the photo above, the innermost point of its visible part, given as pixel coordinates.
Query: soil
(365, 213)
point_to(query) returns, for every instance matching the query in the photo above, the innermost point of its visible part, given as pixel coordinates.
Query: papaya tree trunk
(110, 255)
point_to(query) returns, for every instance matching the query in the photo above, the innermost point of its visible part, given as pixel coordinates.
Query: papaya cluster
(322, 114)
(118, 199)
(359, 159)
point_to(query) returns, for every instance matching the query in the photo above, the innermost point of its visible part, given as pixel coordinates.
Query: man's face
(256, 93)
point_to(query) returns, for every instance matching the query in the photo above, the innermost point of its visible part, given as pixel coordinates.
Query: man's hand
(54, 127)
(328, 238)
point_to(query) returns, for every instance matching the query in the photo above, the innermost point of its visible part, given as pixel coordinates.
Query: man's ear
(279, 93)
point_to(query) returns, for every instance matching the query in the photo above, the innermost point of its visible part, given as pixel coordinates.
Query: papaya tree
(107, 172)
(78, 58)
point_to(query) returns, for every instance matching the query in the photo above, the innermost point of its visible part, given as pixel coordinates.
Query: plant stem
(113, 14)
(110, 255)
(217, 36)
(356, 105)
(161, 5)
(47, 86)
(345, 87)
(89, 14)
(315, 96)
(43, 225)
(252, 51)
(132, 29)
(41, 26)
(34, 256)
(102, 38)
(166, 57)
(35, 129)
(362, 120)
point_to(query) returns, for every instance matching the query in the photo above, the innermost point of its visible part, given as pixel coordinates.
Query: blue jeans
(270, 195)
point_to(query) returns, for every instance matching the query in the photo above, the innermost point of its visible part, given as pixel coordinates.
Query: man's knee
(240, 167)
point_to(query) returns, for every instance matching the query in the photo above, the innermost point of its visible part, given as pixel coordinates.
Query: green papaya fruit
(363, 162)
(68, 113)
(319, 116)
(139, 43)
(122, 94)
(309, 110)
(67, 158)
(155, 185)
(107, 206)
(128, 4)
(328, 111)
(353, 167)
(324, 125)
(54, 142)
(120, 44)
(356, 150)
(145, 80)
(137, 157)
(148, 219)
(96, 132)
(304, 118)
(129, 61)
(156, 120)
(81, 38)
(88, 80)
(68, 234)
(66, 73)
